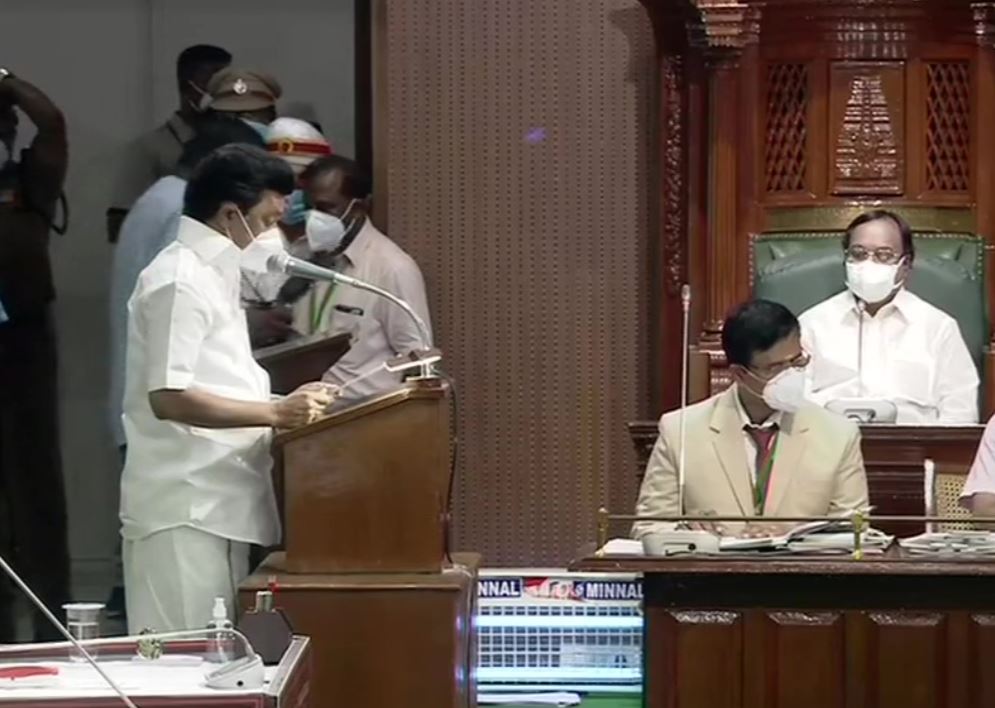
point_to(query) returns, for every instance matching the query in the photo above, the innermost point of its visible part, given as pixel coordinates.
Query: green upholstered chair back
(800, 270)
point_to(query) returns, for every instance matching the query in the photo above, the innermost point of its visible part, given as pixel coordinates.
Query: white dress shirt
(913, 354)
(150, 226)
(981, 478)
(187, 330)
(380, 329)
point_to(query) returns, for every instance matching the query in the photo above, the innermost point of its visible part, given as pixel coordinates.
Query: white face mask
(204, 100)
(870, 281)
(325, 232)
(786, 391)
(255, 257)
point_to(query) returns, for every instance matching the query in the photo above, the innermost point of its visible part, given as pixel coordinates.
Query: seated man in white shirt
(876, 340)
(198, 412)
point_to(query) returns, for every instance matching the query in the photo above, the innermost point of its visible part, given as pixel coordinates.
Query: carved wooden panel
(980, 650)
(672, 80)
(867, 136)
(898, 659)
(699, 651)
(786, 128)
(948, 126)
(795, 658)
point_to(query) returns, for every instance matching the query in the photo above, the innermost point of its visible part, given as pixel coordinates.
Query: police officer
(33, 505)
(249, 95)
(155, 155)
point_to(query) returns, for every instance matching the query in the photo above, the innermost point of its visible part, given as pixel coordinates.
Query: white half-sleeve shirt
(187, 330)
(912, 354)
(151, 225)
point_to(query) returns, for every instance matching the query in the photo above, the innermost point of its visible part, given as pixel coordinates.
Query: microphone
(284, 263)
(861, 308)
(680, 539)
(685, 348)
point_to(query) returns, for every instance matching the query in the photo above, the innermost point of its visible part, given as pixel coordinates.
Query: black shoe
(115, 603)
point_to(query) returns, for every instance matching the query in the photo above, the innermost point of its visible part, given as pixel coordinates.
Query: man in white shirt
(151, 225)
(877, 340)
(342, 237)
(196, 488)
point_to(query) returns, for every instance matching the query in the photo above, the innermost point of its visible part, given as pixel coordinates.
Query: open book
(814, 537)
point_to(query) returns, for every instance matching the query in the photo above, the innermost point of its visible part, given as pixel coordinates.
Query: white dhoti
(172, 577)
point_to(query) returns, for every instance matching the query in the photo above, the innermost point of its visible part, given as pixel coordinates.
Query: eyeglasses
(772, 370)
(883, 255)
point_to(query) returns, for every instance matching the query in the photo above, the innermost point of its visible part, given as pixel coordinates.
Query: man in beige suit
(757, 448)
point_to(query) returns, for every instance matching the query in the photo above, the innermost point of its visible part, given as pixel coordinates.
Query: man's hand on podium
(303, 406)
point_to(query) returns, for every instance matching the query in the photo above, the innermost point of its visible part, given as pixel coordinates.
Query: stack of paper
(979, 543)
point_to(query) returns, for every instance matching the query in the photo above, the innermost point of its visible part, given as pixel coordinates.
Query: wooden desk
(893, 456)
(382, 639)
(288, 684)
(814, 632)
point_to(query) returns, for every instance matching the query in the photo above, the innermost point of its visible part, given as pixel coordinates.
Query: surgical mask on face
(202, 103)
(295, 211)
(870, 281)
(325, 231)
(255, 257)
(786, 391)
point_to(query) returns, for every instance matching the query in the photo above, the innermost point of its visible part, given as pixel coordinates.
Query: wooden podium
(298, 361)
(365, 489)
(365, 573)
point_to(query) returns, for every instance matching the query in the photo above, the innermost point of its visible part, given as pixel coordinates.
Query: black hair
(216, 130)
(238, 174)
(883, 215)
(356, 184)
(193, 58)
(755, 326)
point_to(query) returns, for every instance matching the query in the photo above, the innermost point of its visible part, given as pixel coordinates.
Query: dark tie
(766, 442)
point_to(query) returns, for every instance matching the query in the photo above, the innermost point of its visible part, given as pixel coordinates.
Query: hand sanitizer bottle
(220, 643)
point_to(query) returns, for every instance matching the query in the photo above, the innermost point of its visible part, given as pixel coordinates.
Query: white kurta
(187, 330)
(910, 352)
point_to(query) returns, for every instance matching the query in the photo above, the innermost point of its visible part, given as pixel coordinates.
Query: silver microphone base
(670, 543)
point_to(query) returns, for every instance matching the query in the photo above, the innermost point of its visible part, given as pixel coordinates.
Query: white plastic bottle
(220, 643)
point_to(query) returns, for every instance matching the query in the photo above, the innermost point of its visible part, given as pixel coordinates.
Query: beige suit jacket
(818, 468)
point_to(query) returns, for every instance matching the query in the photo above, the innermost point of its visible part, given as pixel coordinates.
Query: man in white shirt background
(341, 236)
(198, 412)
(876, 340)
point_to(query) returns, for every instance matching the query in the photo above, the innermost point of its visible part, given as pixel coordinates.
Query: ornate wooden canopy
(797, 114)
